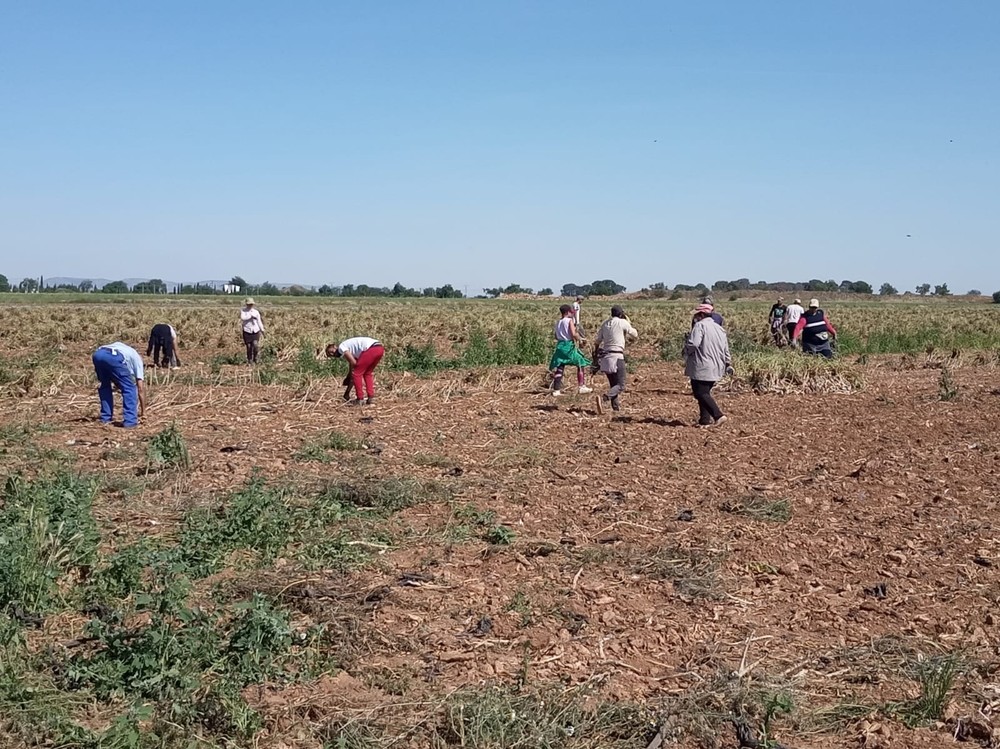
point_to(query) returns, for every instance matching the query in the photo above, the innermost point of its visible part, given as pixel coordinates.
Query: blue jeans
(110, 368)
(824, 349)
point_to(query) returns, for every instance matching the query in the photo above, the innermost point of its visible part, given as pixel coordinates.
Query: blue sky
(486, 143)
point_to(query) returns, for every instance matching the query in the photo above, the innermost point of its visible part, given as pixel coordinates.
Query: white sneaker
(556, 392)
(584, 390)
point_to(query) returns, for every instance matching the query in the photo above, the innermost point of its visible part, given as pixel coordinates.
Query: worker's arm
(631, 332)
(799, 327)
(149, 346)
(574, 333)
(260, 320)
(351, 361)
(829, 325)
(141, 387)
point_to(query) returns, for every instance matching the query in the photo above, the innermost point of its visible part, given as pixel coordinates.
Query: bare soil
(626, 571)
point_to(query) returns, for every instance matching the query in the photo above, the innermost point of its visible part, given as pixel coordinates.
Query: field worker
(716, 317)
(576, 316)
(776, 318)
(362, 355)
(816, 331)
(793, 313)
(252, 326)
(567, 353)
(163, 340)
(609, 351)
(706, 361)
(120, 365)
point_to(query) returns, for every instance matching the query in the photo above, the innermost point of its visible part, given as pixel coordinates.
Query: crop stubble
(602, 587)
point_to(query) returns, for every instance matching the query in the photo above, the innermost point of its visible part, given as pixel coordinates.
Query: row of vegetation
(605, 287)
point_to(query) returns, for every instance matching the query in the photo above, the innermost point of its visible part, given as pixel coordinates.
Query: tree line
(605, 287)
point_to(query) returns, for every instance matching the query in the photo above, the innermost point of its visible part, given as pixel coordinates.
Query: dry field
(470, 563)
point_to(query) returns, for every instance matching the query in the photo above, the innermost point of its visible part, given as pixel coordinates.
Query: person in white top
(252, 325)
(567, 353)
(362, 354)
(793, 313)
(576, 316)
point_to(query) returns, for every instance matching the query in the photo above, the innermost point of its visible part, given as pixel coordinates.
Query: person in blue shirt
(120, 365)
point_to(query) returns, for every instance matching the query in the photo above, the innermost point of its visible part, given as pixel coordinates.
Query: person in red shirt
(815, 331)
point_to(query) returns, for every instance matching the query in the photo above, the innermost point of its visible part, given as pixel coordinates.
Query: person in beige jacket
(609, 351)
(706, 361)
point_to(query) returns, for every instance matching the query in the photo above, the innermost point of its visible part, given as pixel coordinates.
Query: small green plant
(758, 507)
(495, 717)
(432, 460)
(520, 604)
(947, 389)
(167, 449)
(47, 531)
(775, 705)
(256, 518)
(333, 440)
(936, 676)
(693, 572)
(499, 535)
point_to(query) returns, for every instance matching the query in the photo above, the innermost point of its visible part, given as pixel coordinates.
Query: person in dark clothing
(816, 332)
(776, 318)
(719, 320)
(163, 346)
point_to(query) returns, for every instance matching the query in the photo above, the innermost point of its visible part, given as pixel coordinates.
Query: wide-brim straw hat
(248, 301)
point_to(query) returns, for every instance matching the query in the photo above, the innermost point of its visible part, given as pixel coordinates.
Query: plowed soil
(634, 565)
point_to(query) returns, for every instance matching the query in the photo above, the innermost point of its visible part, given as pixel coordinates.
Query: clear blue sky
(482, 143)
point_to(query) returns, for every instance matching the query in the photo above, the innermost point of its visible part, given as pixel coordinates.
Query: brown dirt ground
(890, 484)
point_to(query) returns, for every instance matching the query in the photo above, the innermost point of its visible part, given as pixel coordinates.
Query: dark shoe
(357, 402)
(615, 405)
(370, 401)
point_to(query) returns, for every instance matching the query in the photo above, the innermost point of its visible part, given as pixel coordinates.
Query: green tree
(941, 290)
(4, 283)
(447, 292)
(238, 281)
(545, 292)
(887, 289)
(974, 292)
(28, 285)
(996, 297)
(115, 287)
(268, 289)
(607, 287)
(924, 289)
(152, 286)
(86, 286)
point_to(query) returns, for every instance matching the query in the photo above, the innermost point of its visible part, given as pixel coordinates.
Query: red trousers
(363, 372)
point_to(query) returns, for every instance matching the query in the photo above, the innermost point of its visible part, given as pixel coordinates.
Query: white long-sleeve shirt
(251, 320)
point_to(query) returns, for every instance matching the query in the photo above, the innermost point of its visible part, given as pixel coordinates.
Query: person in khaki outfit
(609, 352)
(707, 360)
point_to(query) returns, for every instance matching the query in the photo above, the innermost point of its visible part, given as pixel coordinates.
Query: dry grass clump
(786, 372)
